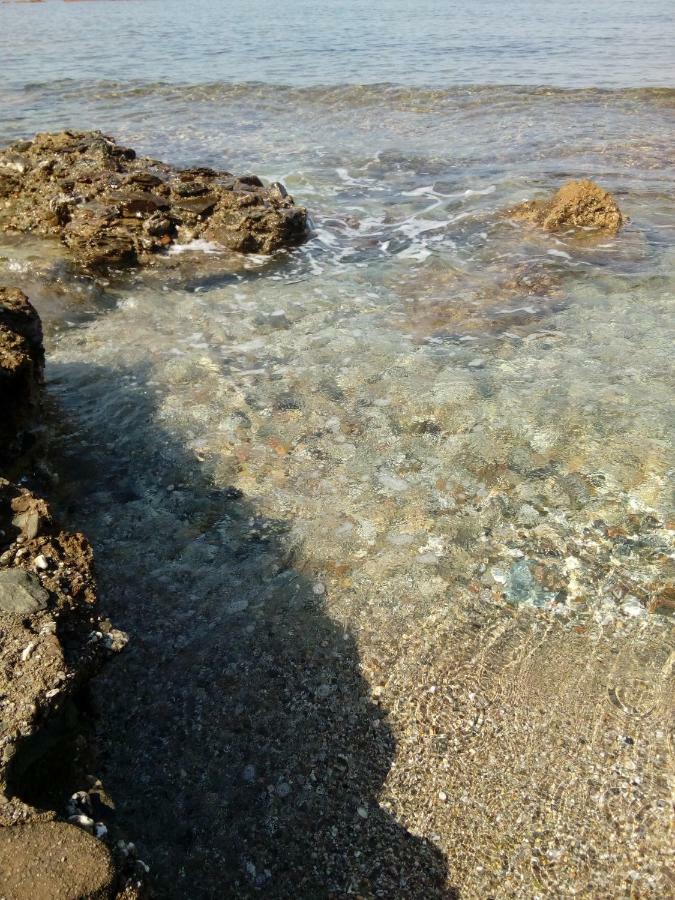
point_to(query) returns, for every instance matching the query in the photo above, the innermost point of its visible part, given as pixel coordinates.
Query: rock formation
(578, 204)
(113, 209)
(52, 640)
(21, 364)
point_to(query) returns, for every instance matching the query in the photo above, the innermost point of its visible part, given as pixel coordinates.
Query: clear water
(427, 454)
(611, 43)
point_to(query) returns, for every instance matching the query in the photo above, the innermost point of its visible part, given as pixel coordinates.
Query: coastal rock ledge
(114, 209)
(53, 640)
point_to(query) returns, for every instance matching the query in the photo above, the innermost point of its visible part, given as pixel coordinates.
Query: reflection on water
(607, 43)
(452, 433)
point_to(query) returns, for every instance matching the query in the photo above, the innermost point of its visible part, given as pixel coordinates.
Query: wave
(349, 96)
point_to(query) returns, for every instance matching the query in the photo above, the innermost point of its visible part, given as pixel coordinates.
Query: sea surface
(428, 453)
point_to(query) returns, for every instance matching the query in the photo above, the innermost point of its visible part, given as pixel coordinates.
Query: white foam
(196, 246)
(480, 193)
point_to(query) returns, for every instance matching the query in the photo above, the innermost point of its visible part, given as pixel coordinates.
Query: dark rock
(21, 371)
(98, 198)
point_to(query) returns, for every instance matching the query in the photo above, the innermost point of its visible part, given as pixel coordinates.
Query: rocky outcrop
(578, 204)
(114, 209)
(21, 365)
(52, 641)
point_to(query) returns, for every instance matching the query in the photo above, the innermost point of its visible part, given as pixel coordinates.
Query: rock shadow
(235, 733)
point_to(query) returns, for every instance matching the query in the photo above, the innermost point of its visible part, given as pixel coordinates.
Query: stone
(21, 371)
(21, 593)
(113, 209)
(54, 861)
(578, 204)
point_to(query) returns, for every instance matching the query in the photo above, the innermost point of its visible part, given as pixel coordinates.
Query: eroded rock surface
(578, 204)
(52, 640)
(21, 365)
(112, 208)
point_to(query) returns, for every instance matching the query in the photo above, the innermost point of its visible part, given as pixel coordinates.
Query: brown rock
(54, 861)
(112, 209)
(578, 204)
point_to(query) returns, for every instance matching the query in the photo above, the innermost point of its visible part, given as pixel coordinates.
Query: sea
(387, 517)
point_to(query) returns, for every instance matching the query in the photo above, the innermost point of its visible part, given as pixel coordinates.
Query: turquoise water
(431, 442)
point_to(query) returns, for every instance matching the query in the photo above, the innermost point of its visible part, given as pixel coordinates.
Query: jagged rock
(578, 204)
(21, 370)
(113, 209)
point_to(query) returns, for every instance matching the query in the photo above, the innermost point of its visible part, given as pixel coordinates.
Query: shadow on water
(235, 733)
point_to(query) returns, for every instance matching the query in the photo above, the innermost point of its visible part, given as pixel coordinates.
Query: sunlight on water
(428, 453)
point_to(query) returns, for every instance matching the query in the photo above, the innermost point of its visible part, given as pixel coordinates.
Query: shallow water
(399, 497)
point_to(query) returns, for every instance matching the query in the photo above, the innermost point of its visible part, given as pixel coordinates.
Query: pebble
(21, 593)
(26, 652)
(442, 796)
(41, 562)
(249, 773)
(363, 812)
(633, 608)
(477, 363)
(82, 821)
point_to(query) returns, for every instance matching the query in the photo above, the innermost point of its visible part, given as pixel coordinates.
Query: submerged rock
(578, 204)
(111, 208)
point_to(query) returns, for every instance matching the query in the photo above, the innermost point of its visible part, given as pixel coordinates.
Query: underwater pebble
(476, 364)
(633, 608)
(41, 562)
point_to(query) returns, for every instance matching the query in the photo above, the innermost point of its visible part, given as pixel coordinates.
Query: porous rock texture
(578, 204)
(52, 640)
(114, 209)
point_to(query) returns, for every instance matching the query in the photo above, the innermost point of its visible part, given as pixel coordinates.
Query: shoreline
(282, 733)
